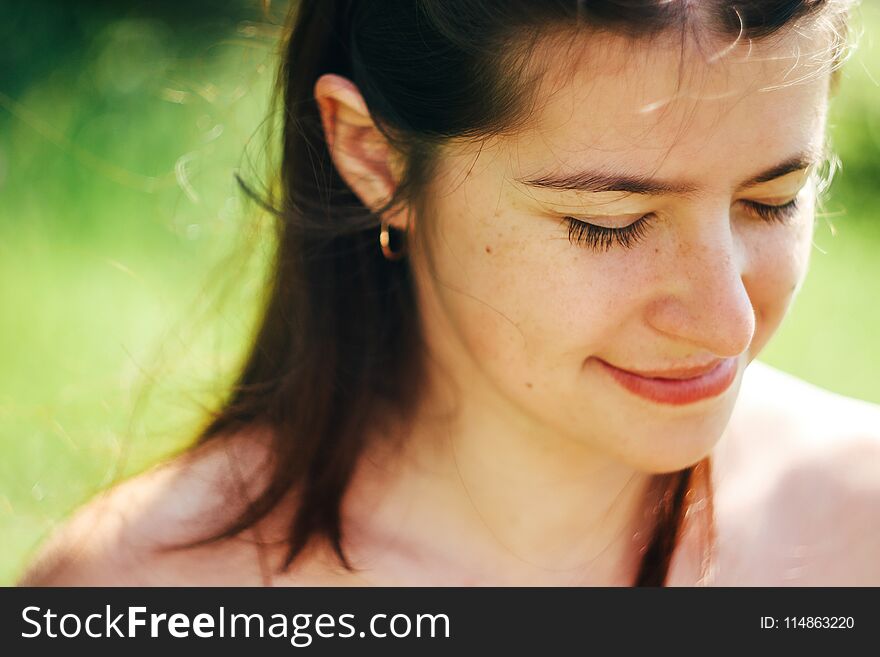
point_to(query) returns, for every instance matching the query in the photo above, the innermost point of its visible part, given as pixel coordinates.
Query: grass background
(131, 269)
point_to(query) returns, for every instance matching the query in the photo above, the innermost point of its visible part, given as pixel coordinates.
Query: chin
(669, 444)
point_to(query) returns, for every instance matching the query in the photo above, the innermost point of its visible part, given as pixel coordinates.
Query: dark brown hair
(339, 337)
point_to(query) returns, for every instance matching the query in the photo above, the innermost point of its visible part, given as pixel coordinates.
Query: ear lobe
(360, 152)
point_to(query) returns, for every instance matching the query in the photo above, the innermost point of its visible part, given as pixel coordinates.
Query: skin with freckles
(709, 280)
(528, 463)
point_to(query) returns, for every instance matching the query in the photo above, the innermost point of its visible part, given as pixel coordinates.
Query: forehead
(675, 105)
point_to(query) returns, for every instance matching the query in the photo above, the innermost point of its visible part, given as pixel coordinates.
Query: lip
(677, 387)
(676, 373)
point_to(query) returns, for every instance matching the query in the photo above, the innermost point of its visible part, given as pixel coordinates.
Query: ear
(359, 150)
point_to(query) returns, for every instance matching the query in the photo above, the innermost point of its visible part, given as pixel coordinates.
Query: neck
(482, 495)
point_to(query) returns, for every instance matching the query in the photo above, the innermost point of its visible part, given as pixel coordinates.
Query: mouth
(676, 386)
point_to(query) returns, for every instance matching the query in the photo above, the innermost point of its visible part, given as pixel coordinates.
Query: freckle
(488, 249)
(528, 385)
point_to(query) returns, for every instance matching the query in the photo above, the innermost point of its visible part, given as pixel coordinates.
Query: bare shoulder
(798, 486)
(121, 536)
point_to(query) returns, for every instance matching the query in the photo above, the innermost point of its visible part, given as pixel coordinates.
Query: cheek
(491, 298)
(466, 292)
(779, 261)
(507, 285)
(524, 303)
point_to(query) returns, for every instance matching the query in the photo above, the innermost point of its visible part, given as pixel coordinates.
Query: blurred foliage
(131, 271)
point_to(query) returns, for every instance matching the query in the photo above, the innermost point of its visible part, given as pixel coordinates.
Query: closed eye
(779, 213)
(602, 238)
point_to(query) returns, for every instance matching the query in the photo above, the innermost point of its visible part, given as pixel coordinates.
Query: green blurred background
(131, 268)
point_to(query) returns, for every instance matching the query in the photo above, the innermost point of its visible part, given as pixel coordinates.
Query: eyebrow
(600, 181)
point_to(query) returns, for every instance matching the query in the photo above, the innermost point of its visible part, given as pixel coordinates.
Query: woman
(527, 252)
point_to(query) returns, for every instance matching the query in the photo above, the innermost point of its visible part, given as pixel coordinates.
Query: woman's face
(694, 150)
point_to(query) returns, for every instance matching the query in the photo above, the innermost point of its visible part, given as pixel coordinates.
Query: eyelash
(602, 238)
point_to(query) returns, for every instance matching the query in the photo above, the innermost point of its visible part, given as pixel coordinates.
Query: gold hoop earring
(385, 243)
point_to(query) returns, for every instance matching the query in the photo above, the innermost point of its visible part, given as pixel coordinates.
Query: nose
(703, 299)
